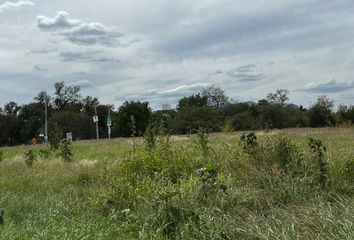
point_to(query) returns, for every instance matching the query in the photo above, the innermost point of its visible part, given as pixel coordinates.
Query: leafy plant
(55, 136)
(249, 144)
(66, 151)
(150, 137)
(202, 141)
(319, 150)
(44, 153)
(349, 170)
(30, 157)
(287, 155)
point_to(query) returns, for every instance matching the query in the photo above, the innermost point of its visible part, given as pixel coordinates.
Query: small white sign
(69, 136)
(95, 119)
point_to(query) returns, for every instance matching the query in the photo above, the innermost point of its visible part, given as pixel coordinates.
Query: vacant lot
(271, 185)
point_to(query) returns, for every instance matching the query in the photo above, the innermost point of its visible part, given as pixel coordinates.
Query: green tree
(80, 124)
(192, 101)
(195, 117)
(321, 113)
(121, 119)
(67, 97)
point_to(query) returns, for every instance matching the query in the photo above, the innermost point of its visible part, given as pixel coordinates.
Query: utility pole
(109, 122)
(96, 121)
(46, 118)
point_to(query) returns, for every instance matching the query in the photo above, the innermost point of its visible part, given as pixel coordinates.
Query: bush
(150, 137)
(202, 142)
(66, 151)
(287, 156)
(30, 157)
(2, 155)
(249, 142)
(319, 150)
(44, 153)
(55, 137)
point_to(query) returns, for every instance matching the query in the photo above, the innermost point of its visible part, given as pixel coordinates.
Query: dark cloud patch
(40, 68)
(87, 57)
(246, 77)
(246, 68)
(246, 73)
(78, 32)
(331, 86)
(42, 51)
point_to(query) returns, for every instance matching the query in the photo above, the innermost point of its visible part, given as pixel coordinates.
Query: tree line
(210, 109)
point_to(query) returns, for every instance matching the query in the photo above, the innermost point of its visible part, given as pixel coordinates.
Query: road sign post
(109, 122)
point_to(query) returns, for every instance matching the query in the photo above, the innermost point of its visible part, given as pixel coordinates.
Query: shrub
(55, 137)
(30, 157)
(66, 151)
(150, 137)
(202, 142)
(319, 150)
(249, 143)
(44, 153)
(287, 156)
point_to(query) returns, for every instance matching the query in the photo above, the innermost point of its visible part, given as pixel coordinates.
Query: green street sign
(109, 121)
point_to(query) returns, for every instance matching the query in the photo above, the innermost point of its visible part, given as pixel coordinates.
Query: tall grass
(255, 186)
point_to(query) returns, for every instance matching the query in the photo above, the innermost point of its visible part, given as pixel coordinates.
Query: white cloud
(14, 5)
(331, 86)
(60, 21)
(83, 83)
(79, 32)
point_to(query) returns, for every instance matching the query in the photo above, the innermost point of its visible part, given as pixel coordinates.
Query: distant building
(166, 107)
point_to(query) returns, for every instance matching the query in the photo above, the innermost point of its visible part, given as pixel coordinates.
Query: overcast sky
(161, 50)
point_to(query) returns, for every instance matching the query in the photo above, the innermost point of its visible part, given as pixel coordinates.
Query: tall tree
(279, 97)
(216, 96)
(321, 113)
(11, 108)
(67, 97)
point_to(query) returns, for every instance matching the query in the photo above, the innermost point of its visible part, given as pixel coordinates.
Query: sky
(162, 50)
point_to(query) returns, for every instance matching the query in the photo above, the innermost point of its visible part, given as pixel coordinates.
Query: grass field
(186, 187)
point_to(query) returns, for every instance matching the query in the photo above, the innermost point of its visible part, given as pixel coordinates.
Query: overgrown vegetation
(247, 186)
